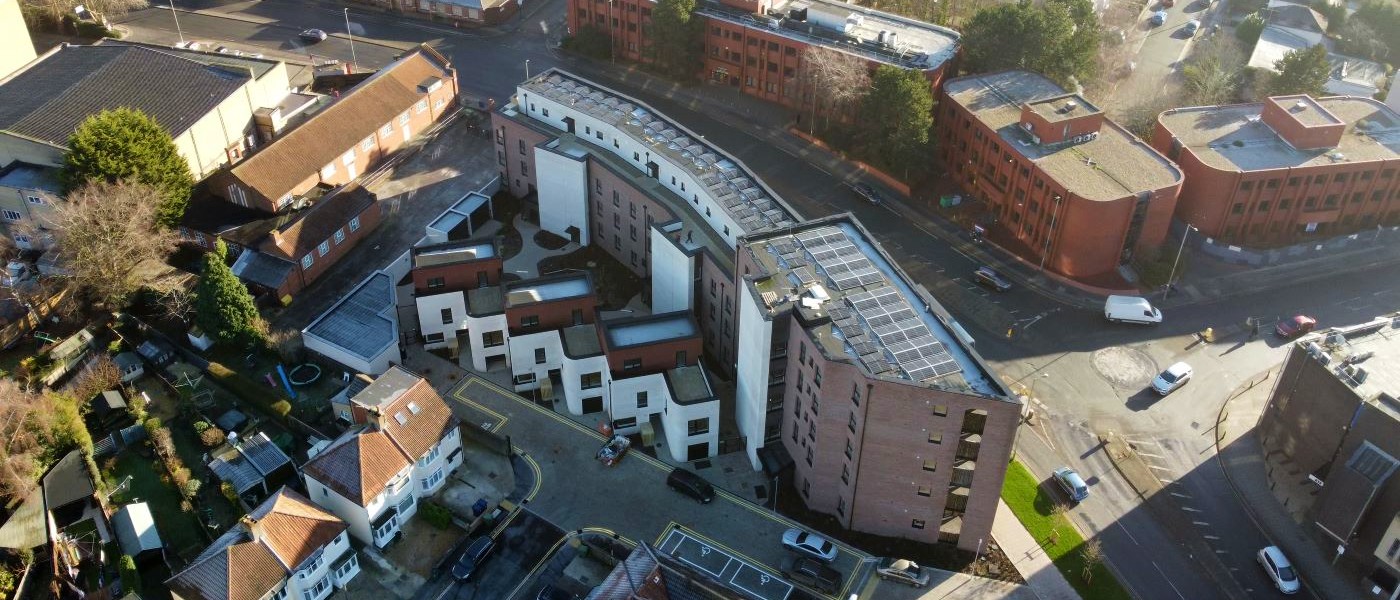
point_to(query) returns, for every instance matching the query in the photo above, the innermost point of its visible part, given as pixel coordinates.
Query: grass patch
(615, 283)
(1034, 507)
(178, 529)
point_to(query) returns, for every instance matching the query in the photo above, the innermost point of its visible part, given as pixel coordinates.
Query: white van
(1131, 309)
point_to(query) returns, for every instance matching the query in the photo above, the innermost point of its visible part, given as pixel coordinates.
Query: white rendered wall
(755, 346)
(450, 442)
(522, 356)
(622, 399)
(430, 317)
(477, 328)
(574, 393)
(672, 276)
(674, 421)
(562, 188)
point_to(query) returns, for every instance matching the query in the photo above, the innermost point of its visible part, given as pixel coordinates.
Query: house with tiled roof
(285, 548)
(403, 444)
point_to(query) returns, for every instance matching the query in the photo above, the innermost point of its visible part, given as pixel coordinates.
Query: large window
(432, 480)
(698, 426)
(492, 339)
(590, 381)
(446, 316)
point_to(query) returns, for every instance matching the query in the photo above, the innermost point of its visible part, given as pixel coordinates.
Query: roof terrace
(637, 331)
(548, 289)
(448, 253)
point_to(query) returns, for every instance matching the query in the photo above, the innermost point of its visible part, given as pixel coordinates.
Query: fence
(16, 331)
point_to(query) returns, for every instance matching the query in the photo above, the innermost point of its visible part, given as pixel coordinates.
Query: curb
(1125, 460)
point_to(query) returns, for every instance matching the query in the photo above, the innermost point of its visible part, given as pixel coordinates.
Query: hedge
(261, 397)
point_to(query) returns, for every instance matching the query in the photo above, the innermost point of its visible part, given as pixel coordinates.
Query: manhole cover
(1124, 367)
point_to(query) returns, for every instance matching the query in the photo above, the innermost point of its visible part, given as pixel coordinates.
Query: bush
(136, 404)
(115, 347)
(436, 515)
(282, 408)
(212, 437)
(131, 578)
(201, 426)
(190, 489)
(1249, 29)
(227, 490)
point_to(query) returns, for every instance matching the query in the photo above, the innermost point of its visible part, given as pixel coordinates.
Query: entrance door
(697, 451)
(569, 124)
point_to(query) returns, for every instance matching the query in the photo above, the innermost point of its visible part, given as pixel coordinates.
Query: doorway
(697, 451)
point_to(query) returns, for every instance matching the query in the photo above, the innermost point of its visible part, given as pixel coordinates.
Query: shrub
(436, 515)
(131, 579)
(227, 490)
(282, 408)
(201, 426)
(212, 437)
(190, 489)
(115, 347)
(136, 403)
(180, 476)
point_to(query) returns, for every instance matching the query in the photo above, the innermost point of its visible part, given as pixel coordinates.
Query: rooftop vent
(1069, 106)
(1337, 156)
(1300, 105)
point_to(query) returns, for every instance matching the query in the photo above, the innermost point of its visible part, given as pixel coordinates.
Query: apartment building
(1063, 185)
(287, 547)
(759, 46)
(609, 170)
(443, 275)
(1288, 170)
(1331, 436)
(403, 443)
(896, 425)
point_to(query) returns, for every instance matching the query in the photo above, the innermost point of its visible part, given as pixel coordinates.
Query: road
(1160, 49)
(1086, 376)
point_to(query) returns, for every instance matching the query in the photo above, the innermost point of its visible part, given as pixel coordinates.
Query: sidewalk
(1029, 557)
(1242, 460)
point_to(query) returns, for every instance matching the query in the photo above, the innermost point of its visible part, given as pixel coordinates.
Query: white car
(1174, 377)
(809, 544)
(1279, 569)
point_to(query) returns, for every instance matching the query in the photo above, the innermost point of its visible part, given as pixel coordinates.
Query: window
(930, 465)
(1394, 547)
(11, 215)
(924, 491)
(318, 589)
(436, 282)
(387, 129)
(446, 314)
(521, 143)
(642, 399)
(855, 394)
(307, 260)
(841, 506)
(851, 423)
(698, 426)
(339, 236)
(846, 474)
(631, 364)
(346, 566)
(367, 144)
(524, 169)
(805, 490)
(626, 423)
(354, 224)
(539, 356)
(492, 339)
(34, 200)
(1237, 209)
(530, 321)
(1262, 207)
(324, 248)
(432, 480)
(940, 410)
(1292, 181)
(850, 450)
(935, 438)
(403, 118)
(590, 381)
(917, 524)
(434, 338)
(327, 171)
(1246, 185)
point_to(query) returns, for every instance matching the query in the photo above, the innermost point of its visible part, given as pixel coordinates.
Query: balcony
(969, 445)
(957, 499)
(974, 421)
(963, 471)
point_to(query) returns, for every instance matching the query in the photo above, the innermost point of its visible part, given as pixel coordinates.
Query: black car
(476, 554)
(550, 592)
(690, 484)
(313, 35)
(865, 191)
(992, 279)
(812, 573)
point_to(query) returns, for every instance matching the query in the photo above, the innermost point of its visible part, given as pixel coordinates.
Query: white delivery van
(1131, 309)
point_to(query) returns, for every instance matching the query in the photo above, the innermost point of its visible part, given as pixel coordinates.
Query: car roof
(1277, 556)
(1179, 368)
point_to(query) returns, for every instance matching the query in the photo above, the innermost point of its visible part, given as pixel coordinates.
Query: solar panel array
(840, 260)
(729, 185)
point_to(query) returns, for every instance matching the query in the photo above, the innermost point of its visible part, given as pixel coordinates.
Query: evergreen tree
(223, 307)
(127, 145)
(899, 113)
(675, 38)
(1057, 38)
(1302, 72)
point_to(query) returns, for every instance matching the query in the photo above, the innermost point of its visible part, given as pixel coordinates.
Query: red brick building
(1287, 170)
(1065, 186)
(758, 46)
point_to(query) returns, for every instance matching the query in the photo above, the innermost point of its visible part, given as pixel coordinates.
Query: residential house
(404, 444)
(346, 139)
(285, 549)
(205, 100)
(442, 275)
(1290, 27)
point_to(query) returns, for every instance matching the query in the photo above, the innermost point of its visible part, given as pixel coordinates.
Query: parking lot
(714, 561)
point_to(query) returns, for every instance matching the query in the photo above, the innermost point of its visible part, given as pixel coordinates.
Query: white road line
(1168, 579)
(1201, 523)
(1126, 532)
(1159, 468)
(1181, 495)
(1211, 537)
(1165, 481)
(1222, 551)
(1141, 453)
(1189, 509)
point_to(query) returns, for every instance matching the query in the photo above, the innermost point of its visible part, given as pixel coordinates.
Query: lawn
(1034, 508)
(179, 530)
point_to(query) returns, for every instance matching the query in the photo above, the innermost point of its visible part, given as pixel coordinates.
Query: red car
(1295, 326)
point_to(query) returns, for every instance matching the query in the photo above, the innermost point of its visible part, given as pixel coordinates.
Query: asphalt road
(1160, 49)
(1087, 376)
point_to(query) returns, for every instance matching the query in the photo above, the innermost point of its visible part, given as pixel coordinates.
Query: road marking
(1189, 509)
(1142, 442)
(1211, 537)
(1165, 481)
(1222, 551)
(1181, 495)
(1128, 533)
(1141, 453)
(1201, 523)
(1168, 579)
(1159, 468)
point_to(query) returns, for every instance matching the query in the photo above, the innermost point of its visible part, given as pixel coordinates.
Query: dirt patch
(1124, 367)
(615, 283)
(423, 546)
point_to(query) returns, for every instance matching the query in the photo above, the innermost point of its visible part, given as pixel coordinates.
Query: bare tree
(100, 375)
(23, 428)
(52, 11)
(105, 231)
(1214, 71)
(177, 301)
(1092, 554)
(834, 79)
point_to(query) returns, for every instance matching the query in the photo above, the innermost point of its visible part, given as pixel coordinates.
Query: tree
(590, 41)
(1214, 71)
(130, 577)
(100, 375)
(1141, 119)
(223, 307)
(107, 231)
(1249, 30)
(126, 144)
(1302, 72)
(675, 35)
(1336, 14)
(1361, 40)
(1384, 17)
(24, 426)
(898, 113)
(1058, 39)
(836, 80)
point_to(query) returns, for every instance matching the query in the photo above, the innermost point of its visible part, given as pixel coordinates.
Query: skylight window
(401, 418)
(413, 408)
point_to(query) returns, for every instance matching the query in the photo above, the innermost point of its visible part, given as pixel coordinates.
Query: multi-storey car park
(873, 389)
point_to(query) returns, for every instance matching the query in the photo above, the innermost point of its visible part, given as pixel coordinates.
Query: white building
(404, 444)
(285, 549)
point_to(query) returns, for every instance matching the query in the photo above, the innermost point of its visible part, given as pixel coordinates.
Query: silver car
(903, 571)
(1174, 377)
(1280, 571)
(809, 544)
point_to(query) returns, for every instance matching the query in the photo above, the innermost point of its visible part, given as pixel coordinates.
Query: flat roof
(582, 340)
(1109, 167)
(689, 384)
(1306, 110)
(636, 331)
(1378, 341)
(850, 28)
(23, 175)
(485, 300)
(453, 252)
(747, 200)
(1058, 108)
(1235, 138)
(460, 211)
(831, 272)
(359, 323)
(548, 289)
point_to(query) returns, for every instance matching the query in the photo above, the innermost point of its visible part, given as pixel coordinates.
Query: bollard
(1208, 335)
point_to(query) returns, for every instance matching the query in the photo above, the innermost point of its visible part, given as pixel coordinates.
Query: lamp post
(175, 16)
(1172, 277)
(353, 60)
(1045, 252)
(527, 69)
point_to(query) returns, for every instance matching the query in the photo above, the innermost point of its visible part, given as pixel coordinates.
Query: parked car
(990, 278)
(811, 573)
(550, 592)
(690, 484)
(1174, 377)
(1071, 483)
(477, 553)
(865, 191)
(1280, 571)
(1131, 309)
(904, 571)
(810, 544)
(1159, 18)
(1295, 326)
(1192, 27)
(313, 35)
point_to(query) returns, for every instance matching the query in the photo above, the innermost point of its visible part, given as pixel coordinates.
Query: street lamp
(527, 69)
(1045, 253)
(353, 60)
(177, 22)
(1171, 278)
(612, 36)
